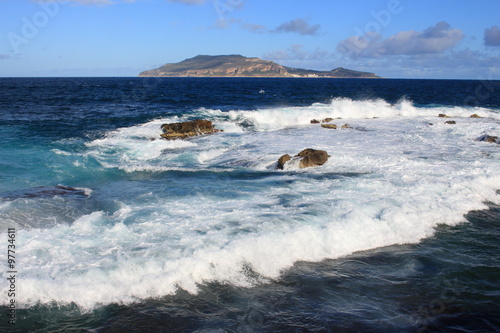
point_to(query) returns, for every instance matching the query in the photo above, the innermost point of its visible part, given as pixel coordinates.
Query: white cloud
(492, 36)
(299, 26)
(433, 40)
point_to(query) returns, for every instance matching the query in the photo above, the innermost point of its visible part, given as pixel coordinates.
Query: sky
(438, 39)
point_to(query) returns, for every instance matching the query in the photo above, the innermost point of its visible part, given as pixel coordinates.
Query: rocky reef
(183, 130)
(307, 158)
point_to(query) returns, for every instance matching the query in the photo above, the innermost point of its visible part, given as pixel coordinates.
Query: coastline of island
(240, 66)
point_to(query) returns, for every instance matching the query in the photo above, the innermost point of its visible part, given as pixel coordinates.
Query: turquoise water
(117, 229)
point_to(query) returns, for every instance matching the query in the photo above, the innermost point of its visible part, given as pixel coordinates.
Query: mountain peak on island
(236, 65)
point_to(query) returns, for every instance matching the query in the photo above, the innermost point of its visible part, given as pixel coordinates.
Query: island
(240, 66)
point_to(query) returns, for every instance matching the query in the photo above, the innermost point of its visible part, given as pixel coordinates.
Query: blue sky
(394, 38)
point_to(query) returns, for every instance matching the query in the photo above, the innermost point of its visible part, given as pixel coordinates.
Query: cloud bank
(299, 26)
(492, 36)
(433, 40)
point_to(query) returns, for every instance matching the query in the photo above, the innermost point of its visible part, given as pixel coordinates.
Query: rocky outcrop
(307, 158)
(312, 157)
(187, 129)
(489, 138)
(282, 160)
(334, 126)
(450, 122)
(330, 126)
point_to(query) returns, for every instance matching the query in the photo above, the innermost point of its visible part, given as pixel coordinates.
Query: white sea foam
(61, 152)
(208, 155)
(339, 108)
(135, 144)
(390, 180)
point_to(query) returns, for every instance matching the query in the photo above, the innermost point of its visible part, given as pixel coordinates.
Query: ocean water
(118, 230)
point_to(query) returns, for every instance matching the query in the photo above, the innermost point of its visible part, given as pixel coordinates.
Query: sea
(107, 227)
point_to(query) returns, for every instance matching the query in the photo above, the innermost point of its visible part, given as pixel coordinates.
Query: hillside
(240, 66)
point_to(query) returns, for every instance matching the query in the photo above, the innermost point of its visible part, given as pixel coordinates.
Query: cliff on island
(240, 66)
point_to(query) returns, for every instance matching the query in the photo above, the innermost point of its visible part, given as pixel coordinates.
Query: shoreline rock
(308, 158)
(330, 126)
(489, 139)
(172, 131)
(282, 160)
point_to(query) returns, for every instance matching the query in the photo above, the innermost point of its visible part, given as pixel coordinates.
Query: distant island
(240, 66)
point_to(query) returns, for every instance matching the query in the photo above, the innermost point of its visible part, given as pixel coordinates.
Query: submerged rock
(312, 157)
(307, 158)
(46, 192)
(334, 126)
(488, 138)
(282, 160)
(187, 129)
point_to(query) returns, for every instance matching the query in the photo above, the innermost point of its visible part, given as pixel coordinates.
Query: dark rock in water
(308, 158)
(442, 115)
(475, 116)
(187, 129)
(282, 160)
(312, 157)
(330, 126)
(450, 122)
(489, 138)
(347, 126)
(314, 121)
(327, 120)
(45, 192)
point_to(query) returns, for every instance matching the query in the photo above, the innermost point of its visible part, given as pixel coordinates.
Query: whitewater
(227, 215)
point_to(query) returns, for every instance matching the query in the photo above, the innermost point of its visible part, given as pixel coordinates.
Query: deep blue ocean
(115, 229)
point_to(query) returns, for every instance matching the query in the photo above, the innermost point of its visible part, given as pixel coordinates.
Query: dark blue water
(95, 196)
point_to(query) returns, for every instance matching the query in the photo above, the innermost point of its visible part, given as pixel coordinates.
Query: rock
(282, 160)
(187, 129)
(489, 138)
(475, 116)
(314, 121)
(307, 158)
(450, 122)
(442, 115)
(46, 192)
(312, 157)
(331, 126)
(347, 126)
(327, 120)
